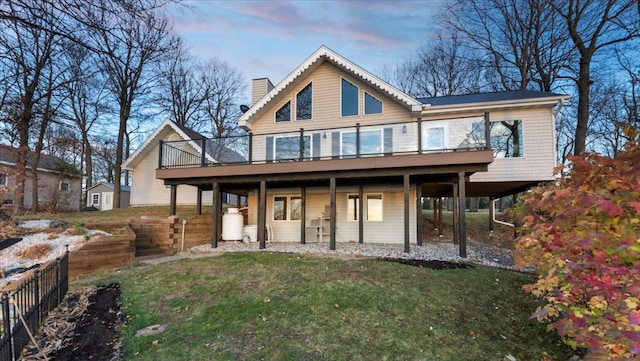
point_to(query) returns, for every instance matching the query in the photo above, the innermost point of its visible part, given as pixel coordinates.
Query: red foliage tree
(583, 234)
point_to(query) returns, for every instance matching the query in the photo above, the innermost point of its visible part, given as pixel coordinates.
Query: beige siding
(49, 192)
(390, 230)
(147, 190)
(538, 158)
(326, 106)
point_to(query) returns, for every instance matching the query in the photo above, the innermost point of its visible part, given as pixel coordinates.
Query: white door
(107, 201)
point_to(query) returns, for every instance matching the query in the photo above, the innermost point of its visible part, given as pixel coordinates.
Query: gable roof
(226, 155)
(318, 57)
(123, 188)
(46, 163)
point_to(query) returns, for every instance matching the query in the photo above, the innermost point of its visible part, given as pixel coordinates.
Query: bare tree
(520, 40)
(224, 85)
(127, 53)
(447, 68)
(27, 57)
(86, 102)
(593, 26)
(182, 93)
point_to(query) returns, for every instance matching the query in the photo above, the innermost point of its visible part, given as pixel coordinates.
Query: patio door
(107, 201)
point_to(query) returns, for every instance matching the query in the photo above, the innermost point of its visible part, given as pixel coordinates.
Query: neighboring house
(59, 183)
(180, 143)
(100, 196)
(336, 154)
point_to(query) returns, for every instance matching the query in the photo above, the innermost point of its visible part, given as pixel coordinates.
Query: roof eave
(519, 103)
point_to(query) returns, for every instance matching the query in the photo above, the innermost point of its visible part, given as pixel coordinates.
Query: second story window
(506, 139)
(349, 99)
(304, 103)
(284, 114)
(371, 104)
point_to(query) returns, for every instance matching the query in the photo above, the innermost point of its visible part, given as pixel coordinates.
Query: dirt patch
(96, 333)
(436, 265)
(97, 318)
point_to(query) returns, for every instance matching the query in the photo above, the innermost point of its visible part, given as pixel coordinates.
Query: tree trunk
(582, 122)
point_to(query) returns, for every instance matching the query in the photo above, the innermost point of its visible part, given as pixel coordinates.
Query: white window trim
(361, 131)
(93, 199)
(280, 107)
(358, 105)
(275, 157)
(296, 112)
(288, 206)
(366, 207)
(68, 186)
(364, 101)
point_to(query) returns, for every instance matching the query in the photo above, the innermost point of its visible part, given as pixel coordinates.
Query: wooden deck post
(303, 215)
(407, 186)
(462, 222)
(435, 213)
(332, 216)
(419, 218)
(215, 216)
(440, 206)
(361, 213)
(262, 213)
(173, 200)
(199, 201)
(456, 214)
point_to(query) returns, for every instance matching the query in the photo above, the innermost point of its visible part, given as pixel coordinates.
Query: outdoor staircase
(145, 248)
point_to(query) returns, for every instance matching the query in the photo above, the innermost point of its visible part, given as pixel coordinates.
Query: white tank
(250, 233)
(232, 225)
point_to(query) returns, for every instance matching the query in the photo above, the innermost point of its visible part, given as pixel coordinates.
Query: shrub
(583, 235)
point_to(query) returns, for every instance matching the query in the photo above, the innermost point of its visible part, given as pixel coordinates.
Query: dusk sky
(270, 38)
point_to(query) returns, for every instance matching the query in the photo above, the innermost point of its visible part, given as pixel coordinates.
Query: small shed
(100, 196)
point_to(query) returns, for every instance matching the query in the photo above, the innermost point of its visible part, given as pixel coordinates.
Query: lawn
(262, 305)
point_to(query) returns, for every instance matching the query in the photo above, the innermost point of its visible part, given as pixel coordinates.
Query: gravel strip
(479, 253)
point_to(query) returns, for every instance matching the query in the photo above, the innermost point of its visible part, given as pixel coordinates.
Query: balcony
(417, 144)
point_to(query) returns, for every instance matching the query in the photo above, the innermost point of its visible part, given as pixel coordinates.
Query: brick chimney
(259, 88)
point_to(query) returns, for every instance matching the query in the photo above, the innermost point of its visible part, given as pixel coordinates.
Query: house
(335, 154)
(100, 196)
(179, 143)
(59, 183)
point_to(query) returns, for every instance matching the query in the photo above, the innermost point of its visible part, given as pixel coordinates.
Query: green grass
(252, 306)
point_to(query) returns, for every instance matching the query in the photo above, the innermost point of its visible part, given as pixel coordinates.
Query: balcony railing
(416, 137)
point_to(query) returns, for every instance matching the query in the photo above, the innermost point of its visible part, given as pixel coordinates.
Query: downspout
(493, 208)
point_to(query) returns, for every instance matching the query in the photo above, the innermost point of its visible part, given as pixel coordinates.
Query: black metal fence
(22, 310)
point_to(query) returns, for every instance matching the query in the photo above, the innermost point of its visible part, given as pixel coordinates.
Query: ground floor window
(372, 207)
(3, 179)
(286, 208)
(95, 199)
(64, 186)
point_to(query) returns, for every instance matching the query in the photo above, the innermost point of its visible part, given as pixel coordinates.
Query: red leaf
(611, 208)
(635, 205)
(634, 319)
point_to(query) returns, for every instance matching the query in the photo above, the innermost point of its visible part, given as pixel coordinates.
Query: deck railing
(22, 310)
(357, 141)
